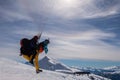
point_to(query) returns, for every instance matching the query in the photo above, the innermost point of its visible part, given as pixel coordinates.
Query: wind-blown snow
(12, 70)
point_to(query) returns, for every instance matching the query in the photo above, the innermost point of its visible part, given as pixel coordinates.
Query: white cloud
(80, 9)
(87, 45)
(11, 15)
(94, 34)
(96, 50)
(25, 32)
(66, 9)
(64, 43)
(11, 51)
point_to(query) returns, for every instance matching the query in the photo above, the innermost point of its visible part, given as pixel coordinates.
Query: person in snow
(30, 50)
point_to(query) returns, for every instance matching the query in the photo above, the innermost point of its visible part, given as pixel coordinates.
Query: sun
(66, 3)
(65, 8)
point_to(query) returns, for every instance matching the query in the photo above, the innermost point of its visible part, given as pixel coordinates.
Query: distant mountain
(113, 69)
(109, 72)
(52, 64)
(112, 72)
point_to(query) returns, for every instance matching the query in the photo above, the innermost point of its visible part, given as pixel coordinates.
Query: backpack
(25, 46)
(25, 42)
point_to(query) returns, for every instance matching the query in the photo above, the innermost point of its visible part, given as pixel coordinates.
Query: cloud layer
(65, 22)
(67, 9)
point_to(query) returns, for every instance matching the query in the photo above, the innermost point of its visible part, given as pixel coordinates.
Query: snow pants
(36, 64)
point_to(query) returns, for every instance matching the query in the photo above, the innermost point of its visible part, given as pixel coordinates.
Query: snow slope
(12, 70)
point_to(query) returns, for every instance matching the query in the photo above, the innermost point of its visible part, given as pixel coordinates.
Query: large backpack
(25, 46)
(25, 42)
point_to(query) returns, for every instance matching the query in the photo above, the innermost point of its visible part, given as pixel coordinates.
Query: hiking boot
(20, 54)
(39, 70)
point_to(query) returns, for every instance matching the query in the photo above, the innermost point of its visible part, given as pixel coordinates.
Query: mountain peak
(52, 64)
(45, 58)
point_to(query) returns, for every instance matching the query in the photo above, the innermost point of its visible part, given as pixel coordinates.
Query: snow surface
(13, 70)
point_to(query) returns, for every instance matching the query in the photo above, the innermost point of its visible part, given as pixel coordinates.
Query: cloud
(70, 39)
(66, 9)
(94, 34)
(80, 9)
(25, 32)
(11, 16)
(86, 50)
(87, 44)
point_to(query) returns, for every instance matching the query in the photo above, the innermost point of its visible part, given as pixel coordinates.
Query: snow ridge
(12, 70)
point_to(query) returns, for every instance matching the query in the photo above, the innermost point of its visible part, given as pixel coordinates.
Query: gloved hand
(46, 49)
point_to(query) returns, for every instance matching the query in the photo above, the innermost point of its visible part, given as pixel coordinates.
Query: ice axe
(39, 35)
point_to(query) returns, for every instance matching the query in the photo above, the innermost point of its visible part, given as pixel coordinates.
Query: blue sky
(78, 29)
